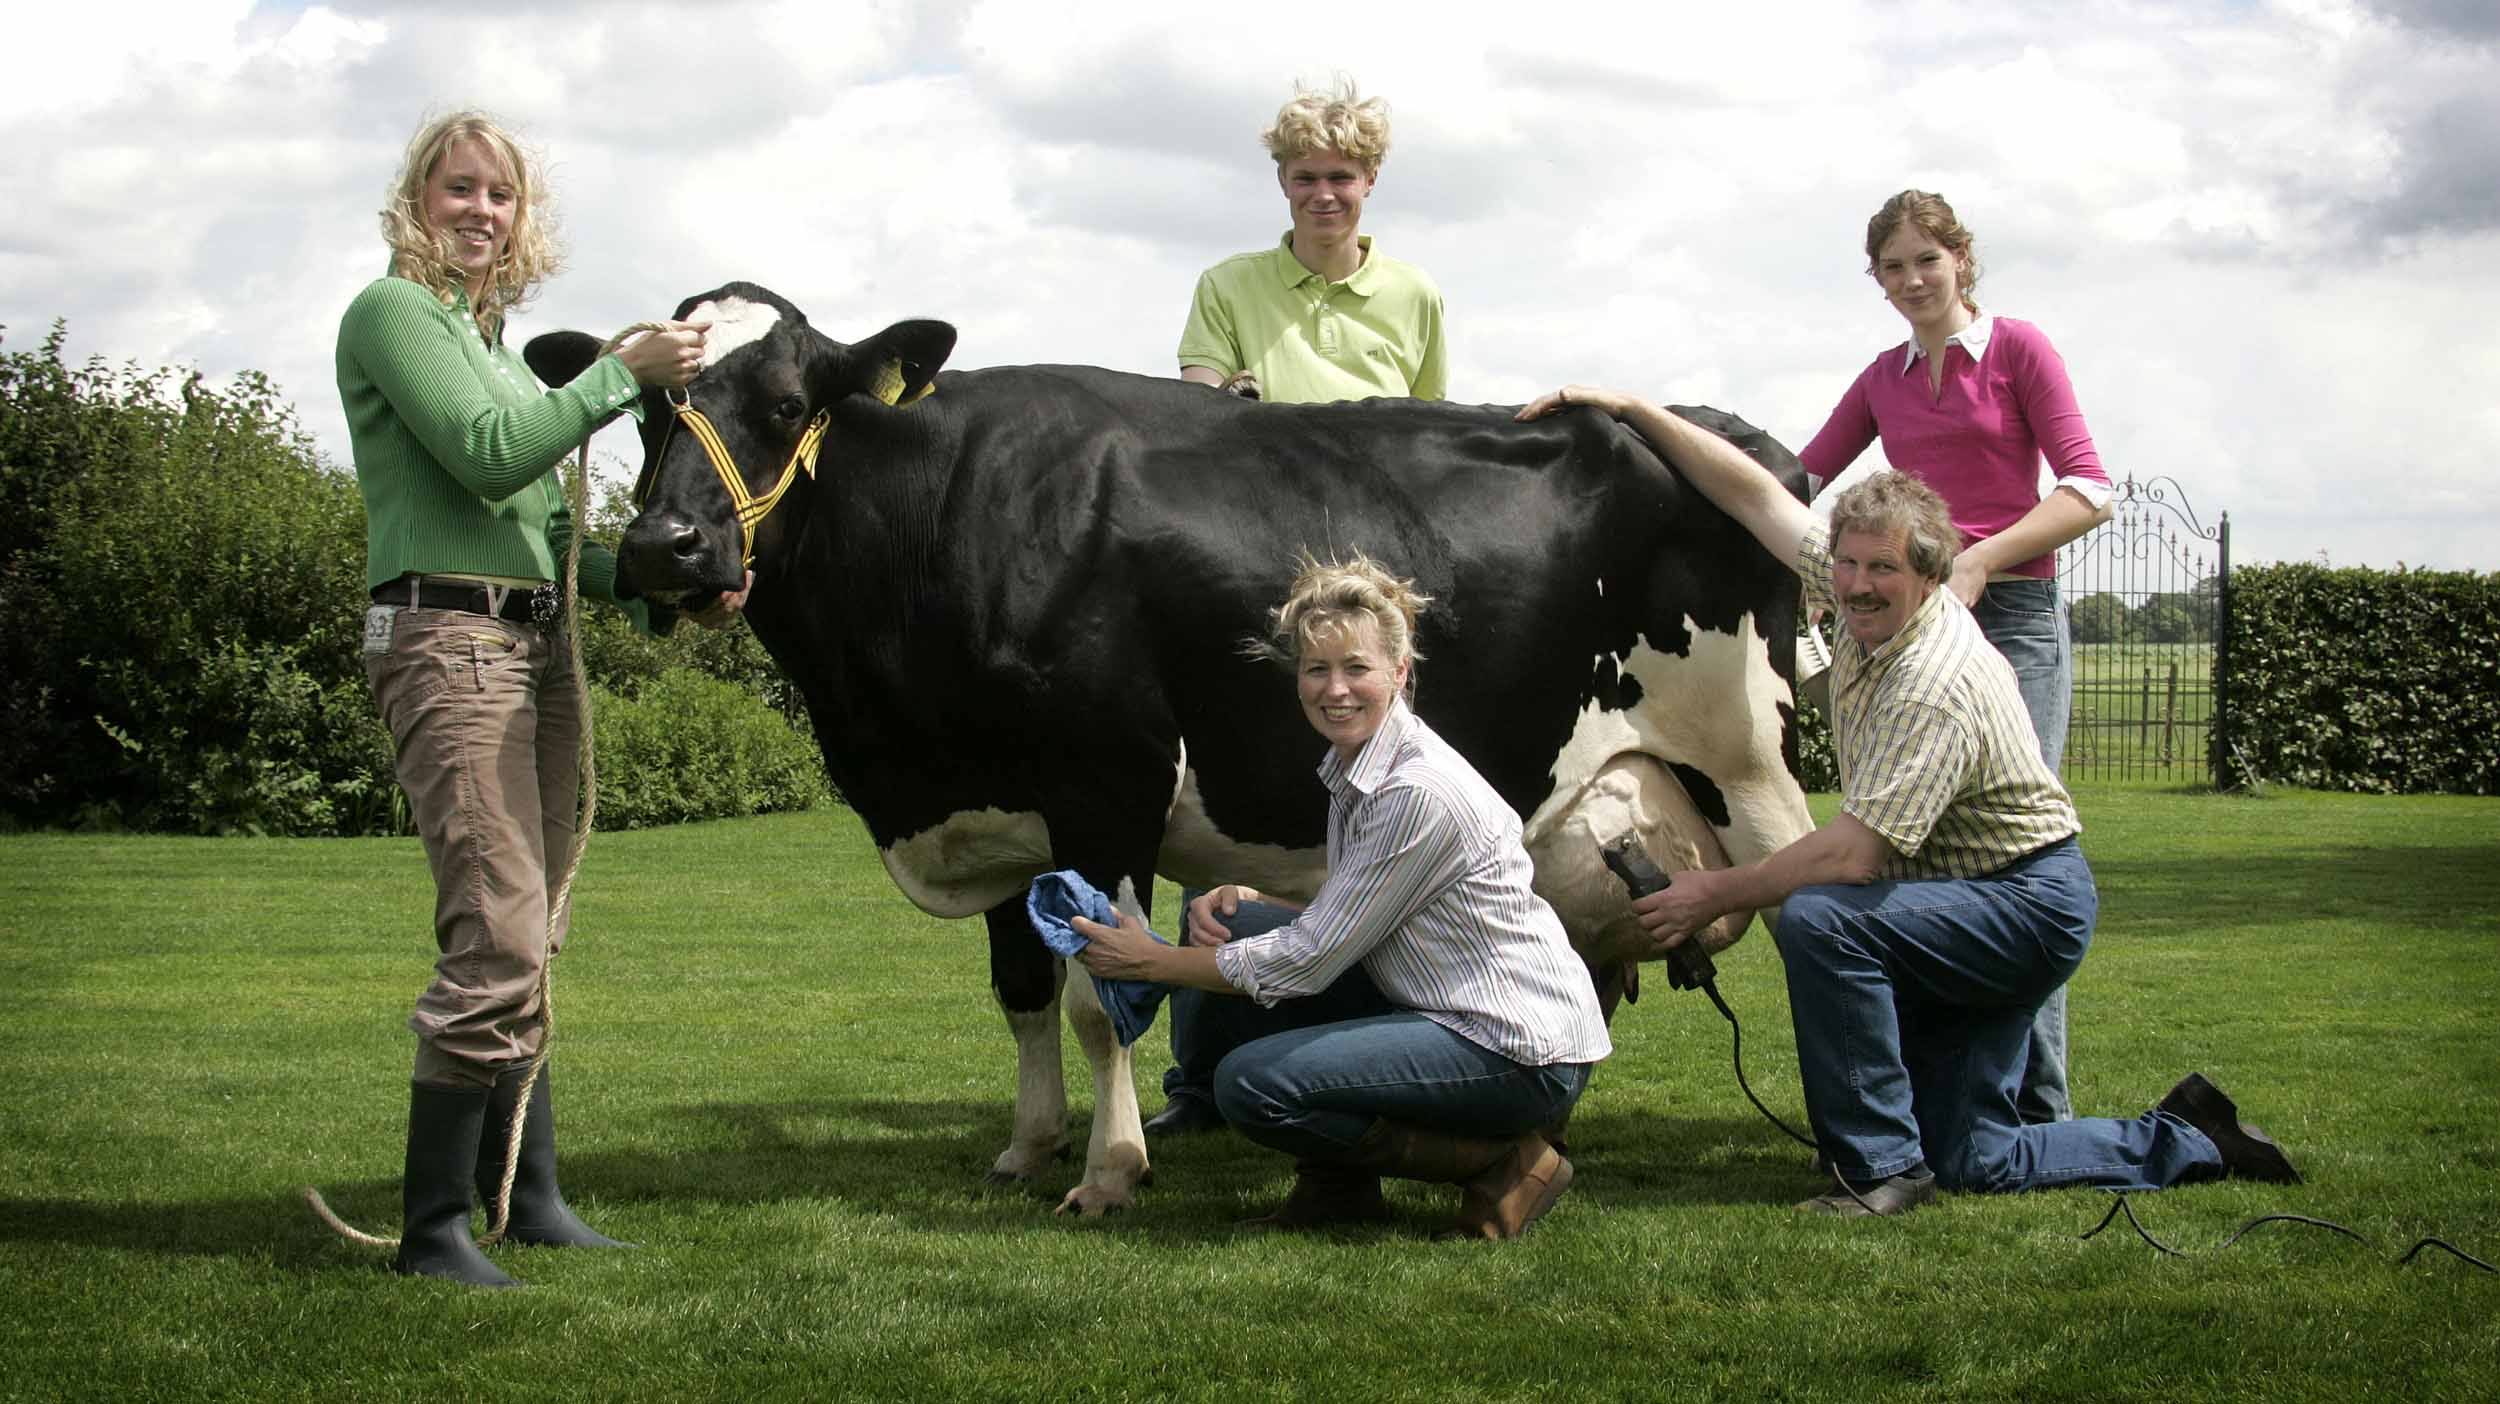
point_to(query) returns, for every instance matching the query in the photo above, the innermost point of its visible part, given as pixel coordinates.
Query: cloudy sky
(2265, 235)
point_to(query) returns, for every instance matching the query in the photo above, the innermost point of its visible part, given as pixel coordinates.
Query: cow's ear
(897, 364)
(557, 357)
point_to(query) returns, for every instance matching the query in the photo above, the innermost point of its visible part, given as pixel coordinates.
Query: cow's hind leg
(1025, 977)
(1115, 1154)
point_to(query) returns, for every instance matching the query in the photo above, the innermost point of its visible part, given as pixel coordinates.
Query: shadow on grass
(923, 1165)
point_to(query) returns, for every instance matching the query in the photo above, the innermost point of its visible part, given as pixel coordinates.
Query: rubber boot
(434, 1189)
(1326, 1194)
(539, 1213)
(1504, 1185)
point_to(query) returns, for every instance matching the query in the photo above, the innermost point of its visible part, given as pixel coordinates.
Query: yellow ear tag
(889, 386)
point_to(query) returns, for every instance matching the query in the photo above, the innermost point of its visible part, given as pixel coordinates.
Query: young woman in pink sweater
(1970, 405)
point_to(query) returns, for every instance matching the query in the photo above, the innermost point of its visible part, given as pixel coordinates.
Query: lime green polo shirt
(1310, 340)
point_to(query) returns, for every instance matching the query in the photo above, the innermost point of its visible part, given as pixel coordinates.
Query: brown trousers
(488, 731)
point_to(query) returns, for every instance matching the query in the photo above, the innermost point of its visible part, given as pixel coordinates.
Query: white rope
(500, 1212)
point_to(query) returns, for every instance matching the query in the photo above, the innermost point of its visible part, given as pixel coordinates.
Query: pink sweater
(1979, 443)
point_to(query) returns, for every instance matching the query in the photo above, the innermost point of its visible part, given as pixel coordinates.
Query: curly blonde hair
(1936, 220)
(1330, 595)
(1342, 121)
(422, 254)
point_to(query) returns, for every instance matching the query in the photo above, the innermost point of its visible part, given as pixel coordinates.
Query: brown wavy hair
(1896, 504)
(1935, 219)
(422, 254)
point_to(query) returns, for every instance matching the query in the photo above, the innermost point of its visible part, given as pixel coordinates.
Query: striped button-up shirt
(1936, 751)
(1428, 887)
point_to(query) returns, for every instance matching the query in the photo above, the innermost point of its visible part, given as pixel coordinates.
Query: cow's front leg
(1025, 977)
(1115, 1154)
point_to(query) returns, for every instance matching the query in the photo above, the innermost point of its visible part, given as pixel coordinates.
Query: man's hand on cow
(1688, 903)
(667, 359)
(725, 607)
(1570, 396)
(1202, 927)
(1123, 952)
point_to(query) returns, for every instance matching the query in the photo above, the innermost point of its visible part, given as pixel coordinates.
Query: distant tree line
(2185, 616)
(183, 580)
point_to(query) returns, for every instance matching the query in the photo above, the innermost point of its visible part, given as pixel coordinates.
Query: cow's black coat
(1026, 591)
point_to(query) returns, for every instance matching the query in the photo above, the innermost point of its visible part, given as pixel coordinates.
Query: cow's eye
(790, 408)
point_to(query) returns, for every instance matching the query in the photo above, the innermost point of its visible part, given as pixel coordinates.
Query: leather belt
(538, 606)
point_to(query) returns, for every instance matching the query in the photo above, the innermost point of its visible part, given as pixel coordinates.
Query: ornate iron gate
(2149, 600)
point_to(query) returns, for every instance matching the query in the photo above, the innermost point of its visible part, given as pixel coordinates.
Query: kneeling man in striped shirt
(1923, 926)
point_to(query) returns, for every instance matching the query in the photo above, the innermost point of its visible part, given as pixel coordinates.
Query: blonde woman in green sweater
(466, 528)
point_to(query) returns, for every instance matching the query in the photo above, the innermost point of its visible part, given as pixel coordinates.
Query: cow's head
(761, 414)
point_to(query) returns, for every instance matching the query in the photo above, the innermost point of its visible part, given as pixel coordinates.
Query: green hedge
(182, 577)
(691, 746)
(1816, 766)
(2377, 681)
(178, 571)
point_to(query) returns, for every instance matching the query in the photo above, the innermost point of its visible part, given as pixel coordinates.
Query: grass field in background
(2141, 711)
(787, 1084)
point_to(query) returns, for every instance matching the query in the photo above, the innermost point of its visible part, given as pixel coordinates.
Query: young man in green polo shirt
(1923, 926)
(1319, 315)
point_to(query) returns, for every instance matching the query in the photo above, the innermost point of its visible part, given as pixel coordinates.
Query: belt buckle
(546, 606)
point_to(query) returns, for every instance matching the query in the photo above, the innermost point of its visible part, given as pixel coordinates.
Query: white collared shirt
(1973, 340)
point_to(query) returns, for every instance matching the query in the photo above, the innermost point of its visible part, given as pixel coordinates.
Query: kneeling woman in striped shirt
(1425, 1014)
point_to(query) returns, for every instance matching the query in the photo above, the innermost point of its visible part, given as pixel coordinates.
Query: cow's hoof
(1095, 1202)
(1018, 1165)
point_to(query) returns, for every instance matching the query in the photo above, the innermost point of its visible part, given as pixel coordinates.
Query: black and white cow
(1015, 600)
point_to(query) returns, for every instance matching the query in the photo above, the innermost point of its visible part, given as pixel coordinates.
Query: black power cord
(1690, 967)
(2120, 1203)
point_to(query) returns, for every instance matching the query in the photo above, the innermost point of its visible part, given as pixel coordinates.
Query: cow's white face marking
(735, 322)
(971, 862)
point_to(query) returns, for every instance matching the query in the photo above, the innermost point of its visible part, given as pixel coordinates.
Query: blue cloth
(1057, 897)
(2026, 620)
(1913, 1004)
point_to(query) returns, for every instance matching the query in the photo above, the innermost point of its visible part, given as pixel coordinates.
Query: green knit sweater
(455, 444)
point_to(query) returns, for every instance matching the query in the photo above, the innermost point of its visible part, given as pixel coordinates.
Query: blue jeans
(1913, 1003)
(1313, 1092)
(2026, 620)
(1196, 1050)
(1309, 1076)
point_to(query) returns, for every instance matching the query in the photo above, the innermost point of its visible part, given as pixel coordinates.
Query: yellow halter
(752, 509)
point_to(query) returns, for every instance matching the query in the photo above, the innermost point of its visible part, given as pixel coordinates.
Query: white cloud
(2264, 235)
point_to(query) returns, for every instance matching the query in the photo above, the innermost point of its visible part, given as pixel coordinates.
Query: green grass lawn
(787, 1084)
